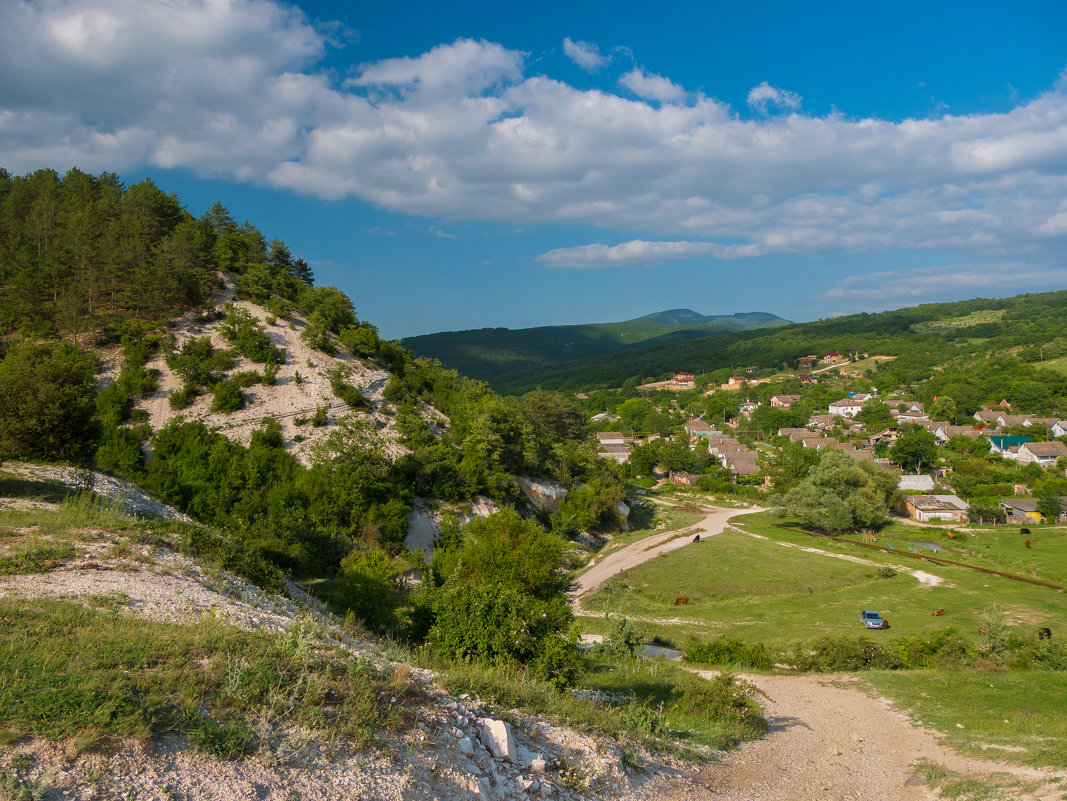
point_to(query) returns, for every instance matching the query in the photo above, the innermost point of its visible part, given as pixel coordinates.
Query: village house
(831, 358)
(1009, 420)
(682, 478)
(1059, 428)
(946, 432)
(1044, 454)
(795, 434)
(1008, 447)
(613, 445)
(987, 417)
(1024, 510)
(818, 443)
(849, 407)
(806, 361)
(808, 380)
(909, 483)
(925, 508)
(685, 380)
(784, 401)
(605, 417)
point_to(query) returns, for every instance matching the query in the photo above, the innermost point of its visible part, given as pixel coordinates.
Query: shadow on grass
(50, 491)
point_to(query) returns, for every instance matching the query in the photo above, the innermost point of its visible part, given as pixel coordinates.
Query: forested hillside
(199, 317)
(949, 339)
(493, 354)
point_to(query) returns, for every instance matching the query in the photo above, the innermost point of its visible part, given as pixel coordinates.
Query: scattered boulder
(496, 736)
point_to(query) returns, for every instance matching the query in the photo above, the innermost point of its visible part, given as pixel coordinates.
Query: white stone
(496, 736)
(465, 746)
(538, 765)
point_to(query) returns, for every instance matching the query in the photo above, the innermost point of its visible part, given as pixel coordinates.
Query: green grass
(1022, 712)
(1056, 365)
(974, 318)
(72, 673)
(772, 590)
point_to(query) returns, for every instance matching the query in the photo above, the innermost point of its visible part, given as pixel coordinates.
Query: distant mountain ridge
(493, 353)
(741, 320)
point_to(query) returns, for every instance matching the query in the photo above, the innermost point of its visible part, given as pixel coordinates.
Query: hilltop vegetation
(493, 354)
(935, 337)
(88, 263)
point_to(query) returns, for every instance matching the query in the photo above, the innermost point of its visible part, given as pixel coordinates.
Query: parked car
(873, 620)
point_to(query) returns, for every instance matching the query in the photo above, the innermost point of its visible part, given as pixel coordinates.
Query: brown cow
(681, 601)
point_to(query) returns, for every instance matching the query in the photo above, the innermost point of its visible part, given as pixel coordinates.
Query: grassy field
(1056, 365)
(1020, 715)
(768, 584)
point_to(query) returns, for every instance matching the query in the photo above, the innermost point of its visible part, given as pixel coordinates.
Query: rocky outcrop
(544, 496)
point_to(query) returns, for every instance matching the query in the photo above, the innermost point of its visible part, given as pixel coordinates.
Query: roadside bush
(248, 336)
(623, 639)
(724, 697)
(319, 419)
(842, 653)
(726, 650)
(947, 648)
(345, 391)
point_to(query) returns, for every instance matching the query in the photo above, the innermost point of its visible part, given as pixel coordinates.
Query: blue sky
(484, 164)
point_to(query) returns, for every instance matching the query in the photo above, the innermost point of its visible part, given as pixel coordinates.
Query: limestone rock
(496, 736)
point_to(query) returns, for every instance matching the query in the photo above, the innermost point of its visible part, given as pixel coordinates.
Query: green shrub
(724, 697)
(182, 398)
(246, 378)
(727, 650)
(623, 639)
(112, 405)
(945, 648)
(319, 419)
(365, 586)
(120, 451)
(227, 397)
(840, 652)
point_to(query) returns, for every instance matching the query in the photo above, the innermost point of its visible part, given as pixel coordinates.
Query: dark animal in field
(681, 601)
(1044, 634)
(1028, 543)
(1024, 531)
(939, 612)
(696, 538)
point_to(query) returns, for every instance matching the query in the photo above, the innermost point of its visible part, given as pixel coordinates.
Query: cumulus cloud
(652, 87)
(764, 96)
(585, 54)
(234, 88)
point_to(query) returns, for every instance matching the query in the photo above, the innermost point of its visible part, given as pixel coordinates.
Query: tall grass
(67, 672)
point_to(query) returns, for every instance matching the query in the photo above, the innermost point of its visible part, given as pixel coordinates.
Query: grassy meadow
(769, 584)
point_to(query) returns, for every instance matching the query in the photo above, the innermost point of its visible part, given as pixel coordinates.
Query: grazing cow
(1024, 531)
(939, 612)
(681, 601)
(1044, 634)
(1028, 543)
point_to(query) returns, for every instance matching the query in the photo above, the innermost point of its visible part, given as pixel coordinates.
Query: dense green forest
(935, 337)
(492, 354)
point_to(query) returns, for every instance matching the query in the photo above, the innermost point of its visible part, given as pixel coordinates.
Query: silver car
(872, 620)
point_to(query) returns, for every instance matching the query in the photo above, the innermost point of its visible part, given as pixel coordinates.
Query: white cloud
(649, 86)
(585, 54)
(637, 253)
(232, 88)
(906, 287)
(764, 96)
